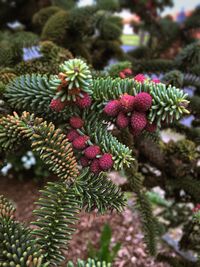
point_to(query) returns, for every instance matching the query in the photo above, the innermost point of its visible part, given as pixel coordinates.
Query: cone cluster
(132, 112)
(91, 155)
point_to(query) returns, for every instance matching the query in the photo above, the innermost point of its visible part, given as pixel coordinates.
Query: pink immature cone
(76, 122)
(122, 120)
(72, 134)
(138, 121)
(92, 151)
(83, 102)
(143, 102)
(57, 105)
(80, 142)
(127, 102)
(112, 108)
(95, 167)
(84, 161)
(106, 162)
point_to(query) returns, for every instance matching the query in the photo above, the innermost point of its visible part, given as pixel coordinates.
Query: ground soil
(125, 226)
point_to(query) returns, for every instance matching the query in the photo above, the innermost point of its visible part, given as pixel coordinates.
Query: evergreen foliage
(56, 79)
(18, 247)
(61, 201)
(54, 28)
(56, 218)
(61, 25)
(51, 144)
(98, 192)
(6, 208)
(40, 18)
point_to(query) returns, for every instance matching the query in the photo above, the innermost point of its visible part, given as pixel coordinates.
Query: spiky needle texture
(99, 192)
(78, 74)
(76, 78)
(52, 146)
(56, 218)
(33, 93)
(17, 246)
(99, 134)
(168, 103)
(6, 208)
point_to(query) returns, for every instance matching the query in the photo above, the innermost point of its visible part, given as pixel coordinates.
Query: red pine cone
(80, 142)
(122, 75)
(76, 122)
(151, 127)
(127, 102)
(140, 78)
(112, 108)
(84, 161)
(122, 120)
(92, 151)
(143, 102)
(83, 102)
(95, 167)
(138, 121)
(128, 71)
(57, 105)
(106, 161)
(72, 134)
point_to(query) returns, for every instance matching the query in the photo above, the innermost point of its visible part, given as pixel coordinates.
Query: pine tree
(73, 97)
(83, 124)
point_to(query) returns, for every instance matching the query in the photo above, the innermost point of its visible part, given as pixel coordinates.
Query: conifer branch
(33, 93)
(169, 103)
(17, 245)
(99, 192)
(52, 146)
(57, 215)
(97, 129)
